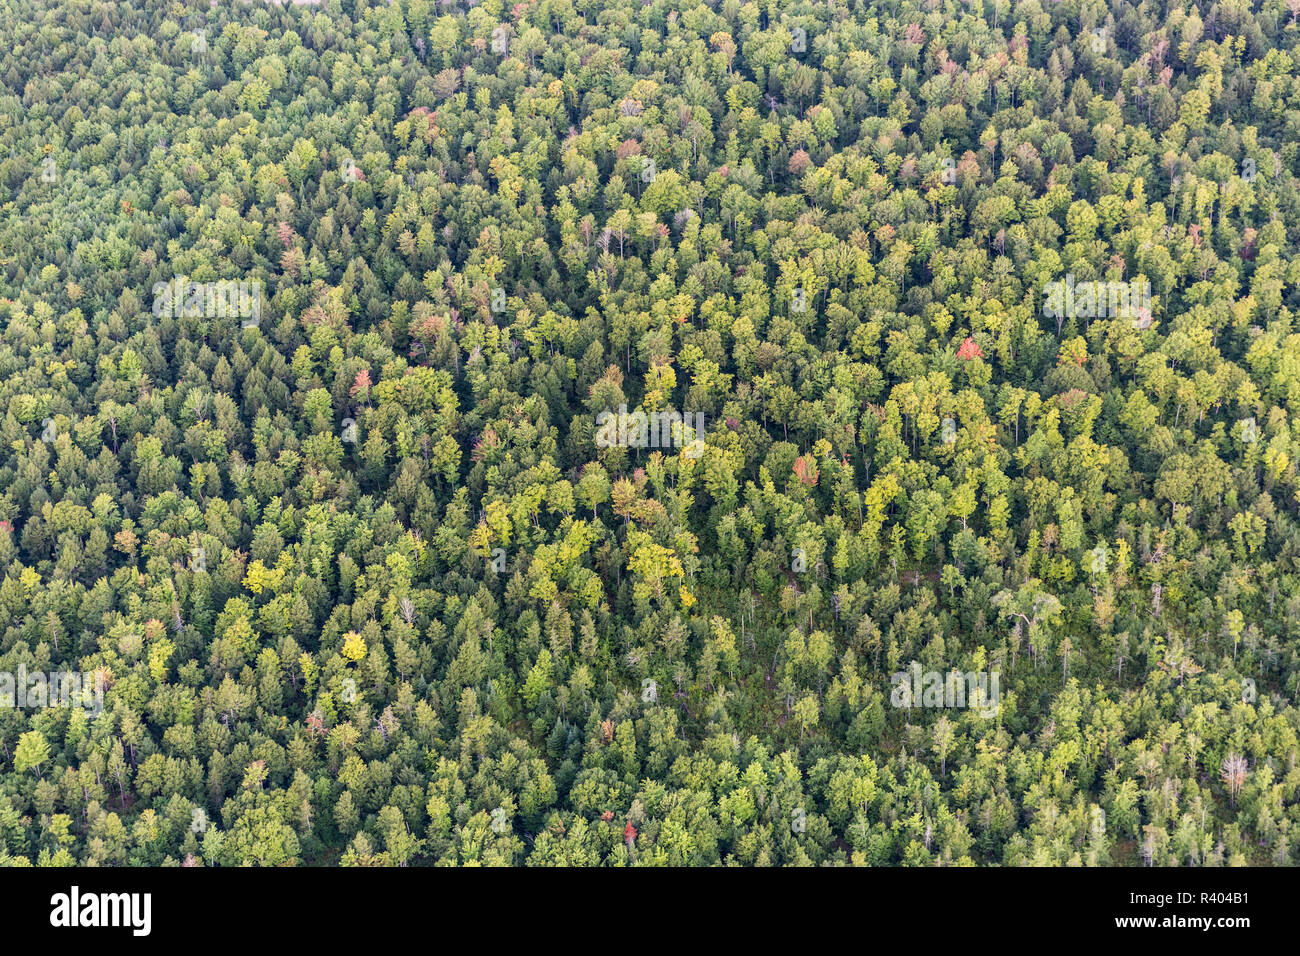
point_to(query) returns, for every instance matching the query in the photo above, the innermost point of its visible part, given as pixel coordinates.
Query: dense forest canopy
(940, 338)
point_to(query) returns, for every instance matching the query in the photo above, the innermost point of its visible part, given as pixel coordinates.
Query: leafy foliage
(364, 589)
